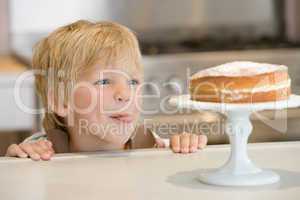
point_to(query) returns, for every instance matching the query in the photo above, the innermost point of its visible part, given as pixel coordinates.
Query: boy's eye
(102, 82)
(133, 82)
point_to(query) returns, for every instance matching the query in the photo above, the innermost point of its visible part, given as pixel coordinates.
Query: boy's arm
(35, 137)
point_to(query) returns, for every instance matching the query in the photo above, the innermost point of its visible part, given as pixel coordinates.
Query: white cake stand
(239, 170)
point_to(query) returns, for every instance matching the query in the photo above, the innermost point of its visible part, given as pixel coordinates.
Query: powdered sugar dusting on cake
(239, 68)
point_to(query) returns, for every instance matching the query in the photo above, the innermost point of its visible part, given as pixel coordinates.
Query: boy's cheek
(137, 103)
(104, 100)
(83, 98)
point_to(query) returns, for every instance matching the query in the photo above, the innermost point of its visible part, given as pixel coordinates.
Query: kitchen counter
(8, 64)
(146, 174)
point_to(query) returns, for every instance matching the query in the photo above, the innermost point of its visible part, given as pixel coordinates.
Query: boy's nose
(122, 96)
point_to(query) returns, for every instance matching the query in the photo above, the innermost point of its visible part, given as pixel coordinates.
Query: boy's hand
(38, 150)
(187, 142)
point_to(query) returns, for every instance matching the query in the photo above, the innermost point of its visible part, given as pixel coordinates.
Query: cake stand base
(228, 179)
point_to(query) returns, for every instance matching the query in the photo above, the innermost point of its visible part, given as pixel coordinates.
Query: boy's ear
(59, 108)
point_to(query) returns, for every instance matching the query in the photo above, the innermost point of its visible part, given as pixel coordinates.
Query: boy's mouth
(122, 117)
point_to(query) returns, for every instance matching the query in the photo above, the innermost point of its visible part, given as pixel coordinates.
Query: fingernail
(23, 155)
(46, 157)
(35, 156)
(185, 150)
(46, 154)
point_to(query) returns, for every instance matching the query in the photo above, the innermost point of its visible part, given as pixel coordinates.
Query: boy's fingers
(49, 143)
(193, 143)
(184, 142)
(27, 147)
(42, 150)
(44, 144)
(175, 143)
(202, 141)
(16, 151)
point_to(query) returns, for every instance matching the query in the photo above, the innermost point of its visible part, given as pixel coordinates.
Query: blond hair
(71, 48)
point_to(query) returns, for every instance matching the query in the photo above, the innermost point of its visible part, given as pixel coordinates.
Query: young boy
(89, 77)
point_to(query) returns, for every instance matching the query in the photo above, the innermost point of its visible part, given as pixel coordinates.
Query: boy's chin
(115, 139)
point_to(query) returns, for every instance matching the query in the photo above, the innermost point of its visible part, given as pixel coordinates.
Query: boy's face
(106, 102)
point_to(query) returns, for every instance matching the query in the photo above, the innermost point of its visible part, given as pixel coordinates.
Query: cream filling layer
(265, 88)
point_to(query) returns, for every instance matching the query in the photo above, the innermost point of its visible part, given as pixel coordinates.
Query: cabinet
(16, 101)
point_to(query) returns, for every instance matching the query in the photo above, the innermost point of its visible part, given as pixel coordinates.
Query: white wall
(45, 15)
(4, 30)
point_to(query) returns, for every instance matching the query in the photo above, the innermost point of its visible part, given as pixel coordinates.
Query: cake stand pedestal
(239, 170)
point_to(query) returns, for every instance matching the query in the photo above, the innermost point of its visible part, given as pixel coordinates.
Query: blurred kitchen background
(177, 38)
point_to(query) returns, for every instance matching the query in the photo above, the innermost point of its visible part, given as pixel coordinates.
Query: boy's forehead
(99, 69)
